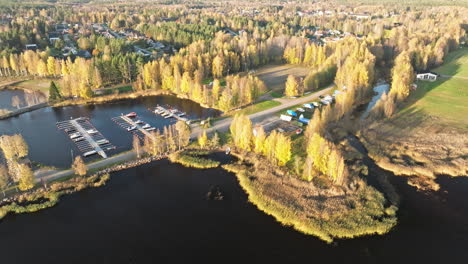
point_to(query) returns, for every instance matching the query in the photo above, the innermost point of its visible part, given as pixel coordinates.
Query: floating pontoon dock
(168, 113)
(86, 137)
(137, 127)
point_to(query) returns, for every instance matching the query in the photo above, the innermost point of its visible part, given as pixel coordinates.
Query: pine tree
(54, 93)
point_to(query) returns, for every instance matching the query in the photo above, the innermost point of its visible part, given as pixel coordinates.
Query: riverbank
(325, 212)
(48, 193)
(194, 158)
(22, 110)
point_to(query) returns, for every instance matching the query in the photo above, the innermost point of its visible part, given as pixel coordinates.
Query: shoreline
(325, 214)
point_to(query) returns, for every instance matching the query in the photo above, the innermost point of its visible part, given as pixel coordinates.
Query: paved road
(49, 175)
(223, 125)
(454, 76)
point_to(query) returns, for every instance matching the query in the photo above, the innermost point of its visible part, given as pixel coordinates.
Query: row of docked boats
(170, 113)
(140, 123)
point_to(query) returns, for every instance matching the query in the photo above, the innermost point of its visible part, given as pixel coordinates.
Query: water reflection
(52, 147)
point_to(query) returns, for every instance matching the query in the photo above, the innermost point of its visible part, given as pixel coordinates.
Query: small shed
(286, 118)
(428, 76)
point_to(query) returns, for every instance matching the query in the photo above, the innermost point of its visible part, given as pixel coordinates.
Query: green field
(257, 107)
(41, 85)
(447, 98)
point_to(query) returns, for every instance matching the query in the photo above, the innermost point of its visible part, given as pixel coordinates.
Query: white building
(428, 76)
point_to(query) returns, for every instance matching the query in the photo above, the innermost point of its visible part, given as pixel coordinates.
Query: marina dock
(134, 126)
(86, 137)
(170, 113)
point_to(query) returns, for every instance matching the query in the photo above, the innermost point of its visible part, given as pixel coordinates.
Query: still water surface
(50, 146)
(157, 213)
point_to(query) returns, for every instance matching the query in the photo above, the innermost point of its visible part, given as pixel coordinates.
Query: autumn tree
(203, 139)
(259, 140)
(292, 87)
(79, 166)
(4, 178)
(283, 149)
(241, 132)
(183, 133)
(402, 77)
(14, 147)
(215, 141)
(136, 145)
(26, 177)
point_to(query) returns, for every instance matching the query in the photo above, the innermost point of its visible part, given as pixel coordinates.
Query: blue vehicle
(291, 113)
(304, 120)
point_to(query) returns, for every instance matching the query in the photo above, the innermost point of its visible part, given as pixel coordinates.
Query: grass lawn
(456, 63)
(446, 98)
(257, 107)
(274, 76)
(37, 85)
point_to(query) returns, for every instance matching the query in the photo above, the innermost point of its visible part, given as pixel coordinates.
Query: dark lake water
(6, 95)
(157, 213)
(52, 147)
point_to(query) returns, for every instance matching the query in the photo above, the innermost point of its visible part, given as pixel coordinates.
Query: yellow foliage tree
(203, 139)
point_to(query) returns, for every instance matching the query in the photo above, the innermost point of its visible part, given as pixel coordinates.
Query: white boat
(131, 128)
(92, 131)
(139, 122)
(78, 139)
(300, 110)
(75, 135)
(169, 116)
(146, 126)
(102, 141)
(89, 153)
(150, 129)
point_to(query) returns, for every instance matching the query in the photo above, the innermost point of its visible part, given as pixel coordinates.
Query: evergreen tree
(54, 93)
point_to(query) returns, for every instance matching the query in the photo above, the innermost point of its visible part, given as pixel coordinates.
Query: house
(53, 40)
(428, 76)
(31, 46)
